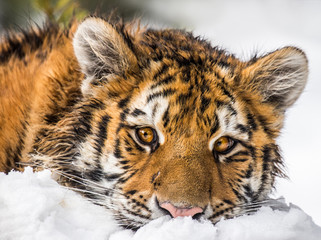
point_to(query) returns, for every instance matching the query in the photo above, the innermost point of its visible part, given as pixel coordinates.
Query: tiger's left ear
(102, 51)
(279, 77)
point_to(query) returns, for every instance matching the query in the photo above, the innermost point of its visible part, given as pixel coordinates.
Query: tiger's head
(169, 124)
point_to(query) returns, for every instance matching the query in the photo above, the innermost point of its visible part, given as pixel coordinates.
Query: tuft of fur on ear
(279, 77)
(101, 51)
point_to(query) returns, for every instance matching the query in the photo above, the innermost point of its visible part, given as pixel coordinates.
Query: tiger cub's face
(176, 126)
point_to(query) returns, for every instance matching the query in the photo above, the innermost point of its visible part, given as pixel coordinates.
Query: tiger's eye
(223, 144)
(146, 135)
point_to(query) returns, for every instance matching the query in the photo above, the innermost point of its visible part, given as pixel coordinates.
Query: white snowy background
(33, 206)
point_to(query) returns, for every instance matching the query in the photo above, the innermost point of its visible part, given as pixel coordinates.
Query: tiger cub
(146, 122)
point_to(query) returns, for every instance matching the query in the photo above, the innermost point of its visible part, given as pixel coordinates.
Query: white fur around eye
(154, 111)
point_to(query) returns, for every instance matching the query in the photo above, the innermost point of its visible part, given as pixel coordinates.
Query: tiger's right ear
(279, 77)
(101, 51)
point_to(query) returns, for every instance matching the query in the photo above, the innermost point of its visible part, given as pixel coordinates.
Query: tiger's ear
(101, 51)
(279, 77)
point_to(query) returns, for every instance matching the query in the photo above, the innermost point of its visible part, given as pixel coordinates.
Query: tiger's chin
(135, 218)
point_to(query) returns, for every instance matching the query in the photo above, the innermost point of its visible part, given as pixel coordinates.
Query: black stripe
(228, 201)
(238, 195)
(205, 102)
(266, 168)
(117, 151)
(186, 75)
(136, 214)
(249, 172)
(183, 98)
(124, 162)
(220, 104)
(220, 213)
(123, 114)
(251, 121)
(94, 104)
(230, 159)
(266, 157)
(154, 110)
(165, 93)
(264, 123)
(216, 125)
(137, 112)
(165, 81)
(20, 144)
(112, 177)
(125, 179)
(204, 87)
(242, 128)
(131, 192)
(95, 175)
(248, 191)
(225, 91)
(129, 149)
(102, 133)
(124, 102)
(84, 128)
(166, 117)
(162, 70)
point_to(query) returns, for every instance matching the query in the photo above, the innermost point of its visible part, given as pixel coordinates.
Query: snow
(33, 206)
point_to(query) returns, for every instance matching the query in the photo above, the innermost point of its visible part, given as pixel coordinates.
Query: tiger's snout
(181, 212)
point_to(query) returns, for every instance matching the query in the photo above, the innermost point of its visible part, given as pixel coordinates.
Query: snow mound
(33, 206)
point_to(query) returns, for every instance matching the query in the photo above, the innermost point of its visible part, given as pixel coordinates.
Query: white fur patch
(228, 123)
(152, 119)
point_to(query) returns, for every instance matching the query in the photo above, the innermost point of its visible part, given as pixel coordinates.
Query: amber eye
(224, 145)
(146, 135)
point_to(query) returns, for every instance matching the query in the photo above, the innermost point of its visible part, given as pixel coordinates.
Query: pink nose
(181, 212)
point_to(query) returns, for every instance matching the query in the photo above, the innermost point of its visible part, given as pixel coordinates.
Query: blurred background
(243, 27)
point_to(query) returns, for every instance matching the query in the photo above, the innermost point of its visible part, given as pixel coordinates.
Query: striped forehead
(229, 121)
(150, 105)
(146, 110)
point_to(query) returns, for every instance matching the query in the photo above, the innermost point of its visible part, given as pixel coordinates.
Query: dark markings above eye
(154, 110)
(227, 105)
(165, 93)
(137, 112)
(225, 91)
(242, 128)
(215, 126)
(123, 103)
